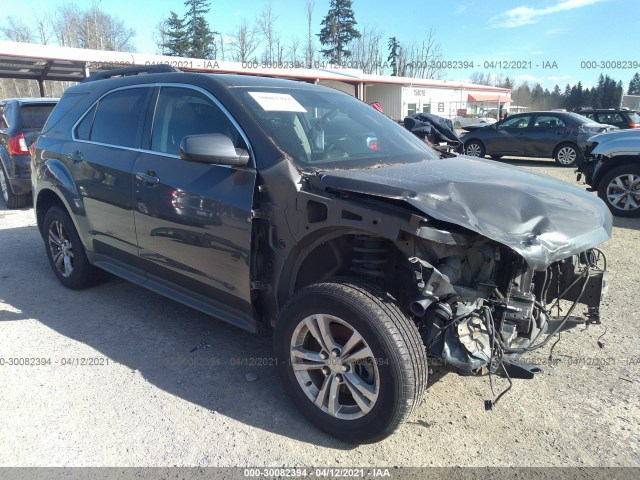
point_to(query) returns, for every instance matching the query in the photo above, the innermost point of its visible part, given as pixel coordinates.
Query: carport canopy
(488, 97)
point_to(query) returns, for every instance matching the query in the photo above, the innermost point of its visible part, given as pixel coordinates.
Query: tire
(11, 200)
(65, 251)
(389, 374)
(620, 190)
(474, 149)
(566, 155)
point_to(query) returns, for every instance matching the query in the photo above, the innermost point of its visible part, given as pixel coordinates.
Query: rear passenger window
(117, 119)
(181, 112)
(3, 123)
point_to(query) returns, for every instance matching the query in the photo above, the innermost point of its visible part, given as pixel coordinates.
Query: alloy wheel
(61, 248)
(334, 366)
(567, 156)
(623, 192)
(474, 150)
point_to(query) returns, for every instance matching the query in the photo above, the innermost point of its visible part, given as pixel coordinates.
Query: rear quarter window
(64, 106)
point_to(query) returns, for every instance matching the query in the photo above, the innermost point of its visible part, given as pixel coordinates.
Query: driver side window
(516, 122)
(183, 111)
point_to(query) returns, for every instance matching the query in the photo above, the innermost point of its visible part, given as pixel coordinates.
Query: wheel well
(344, 255)
(46, 200)
(467, 142)
(560, 145)
(610, 164)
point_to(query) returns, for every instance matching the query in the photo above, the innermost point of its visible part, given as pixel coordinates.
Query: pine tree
(394, 54)
(176, 37)
(339, 28)
(200, 37)
(634, 85)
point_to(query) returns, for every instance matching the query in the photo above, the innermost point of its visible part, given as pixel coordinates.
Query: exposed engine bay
(481, 306)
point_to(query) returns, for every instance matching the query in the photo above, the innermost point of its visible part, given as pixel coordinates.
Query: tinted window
(66, 103)
(34, 116)
(3, 123)
(610, 118)
(119, 118)
(634, 117)
(181, 112)
(545, 121)
(516, 122)
(83, 130)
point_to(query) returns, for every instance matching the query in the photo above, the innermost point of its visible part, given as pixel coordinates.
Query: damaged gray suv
(297, 210)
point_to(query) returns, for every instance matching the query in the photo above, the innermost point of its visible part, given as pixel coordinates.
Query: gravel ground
(150, 399)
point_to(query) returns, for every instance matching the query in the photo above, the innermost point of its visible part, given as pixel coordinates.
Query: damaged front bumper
(508, 308)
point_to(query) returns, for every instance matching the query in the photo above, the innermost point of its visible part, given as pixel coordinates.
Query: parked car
(21, 120)
(623, 118)
(557, 135)
(472, 119)
(612, 168)
(296, 209)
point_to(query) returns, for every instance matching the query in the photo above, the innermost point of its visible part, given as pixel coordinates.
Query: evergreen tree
(176, 37)
(339, 28)
(394, 54)
(200, 38)
(634, 85)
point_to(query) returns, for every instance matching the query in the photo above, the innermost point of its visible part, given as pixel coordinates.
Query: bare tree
(244, 41)
(42, 24)
(310, 47)
(101, 31)
(16, 30)
(266, 22)
(160, 35)
(422, 58)
(366, 51)
(66, 25)
(293, 49)
(220, 47)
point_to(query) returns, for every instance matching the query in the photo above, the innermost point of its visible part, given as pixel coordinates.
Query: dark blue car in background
(553, 134)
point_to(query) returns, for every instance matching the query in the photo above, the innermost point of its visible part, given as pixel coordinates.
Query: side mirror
(212, 148)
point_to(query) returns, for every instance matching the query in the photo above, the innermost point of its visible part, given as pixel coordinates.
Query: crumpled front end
(480, 306)
(498, 250)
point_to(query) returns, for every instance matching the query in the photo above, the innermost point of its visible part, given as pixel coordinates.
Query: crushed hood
(541, 218)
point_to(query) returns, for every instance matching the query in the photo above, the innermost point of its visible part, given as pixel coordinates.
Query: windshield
(330, 130)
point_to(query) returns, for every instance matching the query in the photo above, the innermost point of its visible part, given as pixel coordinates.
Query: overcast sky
(529, 33)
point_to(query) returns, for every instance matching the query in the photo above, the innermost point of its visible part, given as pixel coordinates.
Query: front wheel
(620, 190)
(474, 149)
(566, 155)
(354, 363)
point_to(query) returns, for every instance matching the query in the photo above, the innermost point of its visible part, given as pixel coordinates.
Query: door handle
(149, 178)
(75, 157)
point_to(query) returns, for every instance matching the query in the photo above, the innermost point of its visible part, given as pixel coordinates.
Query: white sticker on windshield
(277, 102)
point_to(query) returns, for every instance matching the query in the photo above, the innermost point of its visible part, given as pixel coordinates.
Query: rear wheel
(11, 200)
(566, 155)
(474, 149)
(65, 251)
(354, 364)
(620, 190)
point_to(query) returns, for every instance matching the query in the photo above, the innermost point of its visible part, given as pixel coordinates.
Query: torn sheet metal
(541, 218)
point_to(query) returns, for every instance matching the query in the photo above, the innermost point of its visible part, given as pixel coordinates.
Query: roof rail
(127, 71)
